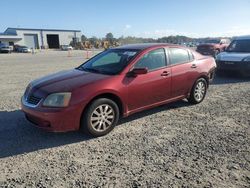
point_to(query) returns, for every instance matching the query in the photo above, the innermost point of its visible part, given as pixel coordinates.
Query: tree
(83, 38)
(93, 40)
(110, 38)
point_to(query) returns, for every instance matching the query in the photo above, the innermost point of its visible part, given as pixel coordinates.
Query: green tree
(110, 37)
(83, 38)
(93, 40)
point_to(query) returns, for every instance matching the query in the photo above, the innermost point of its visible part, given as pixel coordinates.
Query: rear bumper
(211, 76)
(53, 119)
(206, 52)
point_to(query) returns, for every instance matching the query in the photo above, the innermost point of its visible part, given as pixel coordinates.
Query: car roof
(143, 46)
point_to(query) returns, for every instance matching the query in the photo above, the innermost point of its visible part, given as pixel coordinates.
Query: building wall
(65, 37)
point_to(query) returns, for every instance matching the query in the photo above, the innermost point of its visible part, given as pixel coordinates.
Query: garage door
(53, 41)
(31, 41)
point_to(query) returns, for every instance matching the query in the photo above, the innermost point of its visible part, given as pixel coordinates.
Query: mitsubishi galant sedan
(117, 83)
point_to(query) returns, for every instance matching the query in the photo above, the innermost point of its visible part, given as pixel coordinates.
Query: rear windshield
(239, 46)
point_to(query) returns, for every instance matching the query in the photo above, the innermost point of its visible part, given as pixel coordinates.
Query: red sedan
(117, 83)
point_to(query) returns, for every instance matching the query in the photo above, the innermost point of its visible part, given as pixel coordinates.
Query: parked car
(191, 44)
(236, 58)
(23, 49)
(117, 83)
(213, 46)
(5, 48)
(66, 47)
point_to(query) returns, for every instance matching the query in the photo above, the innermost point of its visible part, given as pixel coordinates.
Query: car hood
(65, 81)
(232, 56)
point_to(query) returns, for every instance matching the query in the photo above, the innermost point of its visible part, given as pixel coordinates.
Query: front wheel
(198, 91)
(100, 117)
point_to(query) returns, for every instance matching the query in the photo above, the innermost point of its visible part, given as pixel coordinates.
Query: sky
(140, 18)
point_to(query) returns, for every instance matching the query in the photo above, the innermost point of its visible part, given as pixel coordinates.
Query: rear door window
(178, 56)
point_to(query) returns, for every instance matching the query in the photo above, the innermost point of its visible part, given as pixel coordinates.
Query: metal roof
(30, 29)
(10, 37)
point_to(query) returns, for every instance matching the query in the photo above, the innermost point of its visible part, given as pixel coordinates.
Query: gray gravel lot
(176, 145)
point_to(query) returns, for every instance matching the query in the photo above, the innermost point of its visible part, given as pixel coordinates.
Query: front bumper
(233, 66)
(5, 51)
(53, 119)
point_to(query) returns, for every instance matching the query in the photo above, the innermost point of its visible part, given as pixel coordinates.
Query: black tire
(87, 124)
(193, 98)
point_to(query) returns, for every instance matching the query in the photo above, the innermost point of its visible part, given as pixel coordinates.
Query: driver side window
(154, 59)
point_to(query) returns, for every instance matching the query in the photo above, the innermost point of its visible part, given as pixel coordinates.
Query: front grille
(33, 100)
(228, 63)
(231, 65)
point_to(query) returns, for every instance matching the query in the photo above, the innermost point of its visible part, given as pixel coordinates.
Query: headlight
(246, 59)
(57, 100)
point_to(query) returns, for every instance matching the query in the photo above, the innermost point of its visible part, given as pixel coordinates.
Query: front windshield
(239, 46)
(111, 61)
(213, 41)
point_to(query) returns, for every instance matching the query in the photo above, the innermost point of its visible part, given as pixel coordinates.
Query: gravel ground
(176, 145)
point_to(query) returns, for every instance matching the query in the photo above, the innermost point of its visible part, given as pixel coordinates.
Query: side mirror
(138, 71)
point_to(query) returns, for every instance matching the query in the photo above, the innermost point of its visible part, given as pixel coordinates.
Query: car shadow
(18, 136)
(229, 79)
(178, 104)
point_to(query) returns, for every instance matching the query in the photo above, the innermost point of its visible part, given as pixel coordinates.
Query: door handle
(194, 66)
(165, 73)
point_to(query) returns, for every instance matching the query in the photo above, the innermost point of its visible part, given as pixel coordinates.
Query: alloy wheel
(102, 118)
(199, 91)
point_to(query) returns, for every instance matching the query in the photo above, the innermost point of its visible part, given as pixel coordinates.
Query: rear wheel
(100, 117)
(198, 91)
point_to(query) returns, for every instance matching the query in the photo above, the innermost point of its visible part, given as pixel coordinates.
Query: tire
(198, 91)
(100, 117)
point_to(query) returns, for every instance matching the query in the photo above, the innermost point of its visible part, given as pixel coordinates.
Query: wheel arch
(206, 77)
(201, 76)
(110, 96)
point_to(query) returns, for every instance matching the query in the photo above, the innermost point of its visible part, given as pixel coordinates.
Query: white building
(39, 38)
